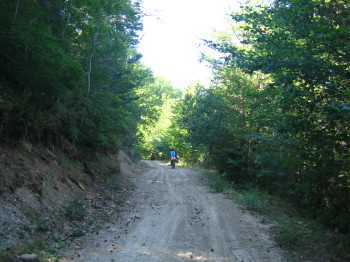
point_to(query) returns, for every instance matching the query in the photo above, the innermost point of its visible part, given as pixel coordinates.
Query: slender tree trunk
(26, 48)
(94, 40)
(16, 11)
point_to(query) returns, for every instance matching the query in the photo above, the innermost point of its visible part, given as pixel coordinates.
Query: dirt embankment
(174, 217)
(44, 194)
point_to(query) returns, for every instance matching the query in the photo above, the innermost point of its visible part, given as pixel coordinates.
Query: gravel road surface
(175, 217)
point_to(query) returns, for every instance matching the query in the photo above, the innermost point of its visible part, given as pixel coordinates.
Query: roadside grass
(304, 238)
(73, 169)
(107, 165)
(6, 256)
(74, 210)
(34, 247)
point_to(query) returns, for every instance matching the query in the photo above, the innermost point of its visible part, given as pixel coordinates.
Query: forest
(276, 115)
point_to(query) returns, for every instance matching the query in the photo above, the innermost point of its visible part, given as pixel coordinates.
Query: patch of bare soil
(173, 216)
(46, 196)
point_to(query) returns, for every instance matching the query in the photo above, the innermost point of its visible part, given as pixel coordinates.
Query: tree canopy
(277, 114)
(70, 69)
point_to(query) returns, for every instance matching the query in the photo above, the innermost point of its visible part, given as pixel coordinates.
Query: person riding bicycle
(173, 158)
(173, 155)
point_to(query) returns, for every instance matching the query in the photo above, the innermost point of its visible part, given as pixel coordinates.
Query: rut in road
(177, 218)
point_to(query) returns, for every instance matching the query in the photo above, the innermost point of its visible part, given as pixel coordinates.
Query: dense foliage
(69, 69)
(155, 134)
(278, 114)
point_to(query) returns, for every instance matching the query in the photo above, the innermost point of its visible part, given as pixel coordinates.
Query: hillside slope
(48, 197)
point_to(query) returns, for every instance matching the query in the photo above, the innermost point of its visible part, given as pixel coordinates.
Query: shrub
(218, 183)
(74, 210)
(255, 200)
(108, 165)
(43, 225)
(6, 256)
(115, 182)
(290, 234)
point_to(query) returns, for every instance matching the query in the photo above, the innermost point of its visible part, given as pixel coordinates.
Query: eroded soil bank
(173, 216)
(47, 198)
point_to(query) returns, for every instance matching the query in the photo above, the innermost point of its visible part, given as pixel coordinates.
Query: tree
(70, 70)
(155, 130)
(303, 47)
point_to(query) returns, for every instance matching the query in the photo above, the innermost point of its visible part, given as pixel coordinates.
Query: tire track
(176, 218)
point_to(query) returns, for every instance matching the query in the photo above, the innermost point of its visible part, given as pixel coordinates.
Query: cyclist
(173, 154)
(173, 158)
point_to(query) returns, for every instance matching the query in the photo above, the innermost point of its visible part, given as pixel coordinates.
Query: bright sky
(172, 34)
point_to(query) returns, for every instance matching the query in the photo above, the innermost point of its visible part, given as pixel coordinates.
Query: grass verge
(304, 238)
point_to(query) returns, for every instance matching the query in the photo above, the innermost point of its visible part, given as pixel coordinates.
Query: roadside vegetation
(274, 122)
(276, 116)
(304, 238)
(97, 198)
(72, 83)
(277, 113)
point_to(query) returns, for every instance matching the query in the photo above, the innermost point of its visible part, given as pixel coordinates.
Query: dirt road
(176, 218)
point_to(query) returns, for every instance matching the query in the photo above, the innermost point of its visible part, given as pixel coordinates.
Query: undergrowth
(9, 255)
(74, 210)
(305, 238)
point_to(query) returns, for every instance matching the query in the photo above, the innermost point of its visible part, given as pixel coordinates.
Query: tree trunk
(16, 11)
(94, 40)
